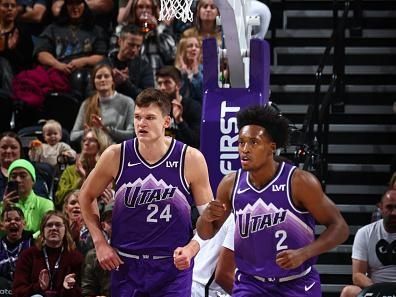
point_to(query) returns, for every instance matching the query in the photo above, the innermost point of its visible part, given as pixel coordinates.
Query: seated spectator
(53, 148)
(33, 15)
(11, 150)
(205, 22)
(206, 262)
(33, 206)
(72, 44)
(189, 62)
(95, 281)
(16, 46)
(53, 266)
(186, 112)
(94, 142)
(159, 46)
(12, 243)
(131, 72)
(102, 11)
(72, 212)
(373, 258)
(106, 109)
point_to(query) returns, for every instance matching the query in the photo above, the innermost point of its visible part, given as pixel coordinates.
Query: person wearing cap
(33, 206)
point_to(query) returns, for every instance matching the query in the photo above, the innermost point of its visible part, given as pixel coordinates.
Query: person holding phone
(19, 192)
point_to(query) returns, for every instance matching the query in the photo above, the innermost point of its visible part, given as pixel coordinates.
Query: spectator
(102, 11)
(205, 22)
(132, 73)
(12, 243)
(95, 281)
(189, 62)
(53, 148)
(106, 110)
(32, 15)
(373, 259)
(72, 44)
(186, 112)
(206, 260)
(52, 267)
(94, 142)
(72, 211)
(159, 43)
(33, 206)
(11, 150)
(16, 46)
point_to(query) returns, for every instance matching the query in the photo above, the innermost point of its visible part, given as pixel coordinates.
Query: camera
(65, 160)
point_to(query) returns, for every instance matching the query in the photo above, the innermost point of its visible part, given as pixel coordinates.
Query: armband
(201, 208)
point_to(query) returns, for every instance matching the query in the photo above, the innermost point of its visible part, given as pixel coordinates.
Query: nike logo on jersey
(133, 164)
(239, 191)
(307, 288)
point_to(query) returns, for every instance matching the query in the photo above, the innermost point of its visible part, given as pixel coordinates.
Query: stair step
(349, 69)
(334, 269)
(326, 33)
(355, 189)
(391, 89)
(359, 167)
(349, 109)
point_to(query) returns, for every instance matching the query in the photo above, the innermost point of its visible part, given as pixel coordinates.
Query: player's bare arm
(218, 210)
(101, 176)
(307, 194)
(196, 172)
(359, 274)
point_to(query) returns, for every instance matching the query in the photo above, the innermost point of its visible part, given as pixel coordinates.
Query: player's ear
(167, 121)
(273, 146)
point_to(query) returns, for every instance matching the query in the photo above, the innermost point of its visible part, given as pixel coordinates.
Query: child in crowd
(54, 148)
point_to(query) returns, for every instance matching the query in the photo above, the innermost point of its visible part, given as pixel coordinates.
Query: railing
(313, 150)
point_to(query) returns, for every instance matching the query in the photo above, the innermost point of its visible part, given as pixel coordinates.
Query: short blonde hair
(52, 124)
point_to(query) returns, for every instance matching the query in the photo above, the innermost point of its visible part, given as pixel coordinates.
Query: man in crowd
(132, 74)
(373, 251)
(186, 112)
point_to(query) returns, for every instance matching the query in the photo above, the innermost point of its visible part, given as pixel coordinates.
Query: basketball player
(275, 207)
(156, 181)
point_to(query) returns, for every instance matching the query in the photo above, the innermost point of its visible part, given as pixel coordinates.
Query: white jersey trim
(269, 184)
(288, 191)
(122, 160)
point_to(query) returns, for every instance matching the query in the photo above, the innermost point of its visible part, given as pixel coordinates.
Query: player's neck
(260, 177)
(152, 152)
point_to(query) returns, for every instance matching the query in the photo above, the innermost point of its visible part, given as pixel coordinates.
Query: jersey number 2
(282, 235)
(165, 213)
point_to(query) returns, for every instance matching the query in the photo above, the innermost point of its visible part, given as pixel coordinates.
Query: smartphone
(12, 186)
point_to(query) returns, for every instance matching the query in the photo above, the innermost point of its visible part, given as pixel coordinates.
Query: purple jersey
(152, 207)
(267, 222)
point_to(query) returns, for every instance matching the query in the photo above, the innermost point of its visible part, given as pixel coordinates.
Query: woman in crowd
(16, 45)
(159, 44)
(52, 267)
(73, 43)
(94, 142)
(10, 150)
(189, 62)
(205, 22)
(107, 110)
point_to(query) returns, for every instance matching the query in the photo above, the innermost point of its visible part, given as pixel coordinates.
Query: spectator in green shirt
(33, 206)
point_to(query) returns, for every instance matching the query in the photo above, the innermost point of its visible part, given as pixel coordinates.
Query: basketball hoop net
(180, 9)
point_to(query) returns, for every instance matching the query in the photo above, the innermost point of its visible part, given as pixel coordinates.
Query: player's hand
(69, 281)
(214, 211)
(290, 259)
(182, 257)
(108, 257)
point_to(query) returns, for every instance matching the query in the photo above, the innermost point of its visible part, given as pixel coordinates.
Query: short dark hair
(275, 125)
(131, 29)
(170, 71)
(12, 208)
(153, 96)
